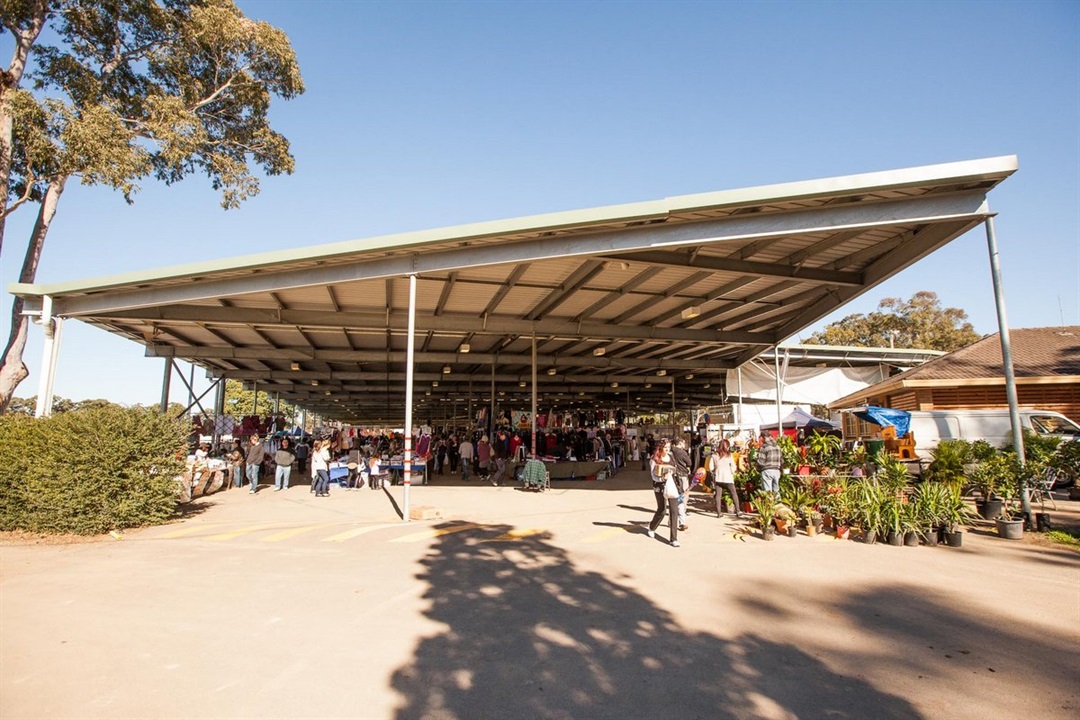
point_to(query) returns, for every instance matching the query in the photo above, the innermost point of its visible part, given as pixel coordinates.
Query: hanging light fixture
(521, 383)
(464, 348)
(661, 372)
(691, 312)
(551, 371)
(295, 366)
(445, 369)
(598, 352)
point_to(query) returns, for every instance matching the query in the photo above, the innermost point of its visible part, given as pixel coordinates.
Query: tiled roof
(1037, 352)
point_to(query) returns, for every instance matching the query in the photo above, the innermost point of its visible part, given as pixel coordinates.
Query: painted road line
(355, 532)
(432, 533)
(242, 531)
(191, 530)
(604, 535)
(516, 535)
(291, 532)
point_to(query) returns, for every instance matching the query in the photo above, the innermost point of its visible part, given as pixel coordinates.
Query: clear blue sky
(427, 114)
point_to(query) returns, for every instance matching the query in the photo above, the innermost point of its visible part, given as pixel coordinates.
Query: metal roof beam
(452, 324)
(777, 270)
(300, 354)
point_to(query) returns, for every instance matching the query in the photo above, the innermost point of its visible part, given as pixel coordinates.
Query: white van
(994, 426)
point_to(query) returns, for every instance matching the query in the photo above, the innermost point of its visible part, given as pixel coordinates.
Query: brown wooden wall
(1063, 398)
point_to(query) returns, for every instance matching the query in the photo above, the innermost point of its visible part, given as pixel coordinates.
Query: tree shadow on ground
(528, 635)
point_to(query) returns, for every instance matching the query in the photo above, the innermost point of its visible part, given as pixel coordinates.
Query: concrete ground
(524, 605)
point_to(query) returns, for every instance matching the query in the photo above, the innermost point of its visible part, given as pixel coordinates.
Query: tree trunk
(13, 370)
(9, 80)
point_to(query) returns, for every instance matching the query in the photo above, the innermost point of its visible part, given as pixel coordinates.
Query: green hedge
(89, 471)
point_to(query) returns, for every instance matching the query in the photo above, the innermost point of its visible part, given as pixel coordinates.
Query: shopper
(661, 468)
(722, 467)
(465, 452)
(769, 459)
(283, 460)
(254, 461)
(320, 468)
(682, 478)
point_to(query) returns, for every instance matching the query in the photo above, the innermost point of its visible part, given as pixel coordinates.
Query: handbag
(671, 490)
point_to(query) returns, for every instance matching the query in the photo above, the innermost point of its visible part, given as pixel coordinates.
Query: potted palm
(991, 478)
(824, 451)
(953, 514)
(765, 506)
(891, 521)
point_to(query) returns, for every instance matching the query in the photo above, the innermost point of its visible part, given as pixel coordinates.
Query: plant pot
(812, 530)
(911, 539)
(989, 509)
(1010, 529)
(930, 537)
(792, 530)
(954, 539)
(843, 532)
(894, 538)
(1074, 493)
(747, 507)
(1042, 522)
(781, 526)
(870, 537)
(826, 520)
(768, 534)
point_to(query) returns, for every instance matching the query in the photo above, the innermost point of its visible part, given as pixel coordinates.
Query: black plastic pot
(911, 539)
(989, 509)
(768, 534)
(1042, 522)
(792, 530)
(894, 538)
(870, 537)
(930, 537)
(954, 539)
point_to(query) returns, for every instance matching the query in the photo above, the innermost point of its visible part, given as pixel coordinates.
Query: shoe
(684, 527)
(251, 492)
(277, 489)
(494, 484)
(650, 533)
(675, 543)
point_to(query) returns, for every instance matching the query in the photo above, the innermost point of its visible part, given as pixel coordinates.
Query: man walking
(769, 460)
(682, 477)
(465, 453)
(254, 460)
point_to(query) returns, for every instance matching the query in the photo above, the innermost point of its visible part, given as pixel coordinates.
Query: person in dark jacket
(283, 459)
(682, 477)
(253, 460)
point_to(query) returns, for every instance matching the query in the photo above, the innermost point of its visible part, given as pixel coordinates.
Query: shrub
(89, 471)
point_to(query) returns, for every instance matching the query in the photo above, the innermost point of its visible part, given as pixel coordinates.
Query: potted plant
(948, 463)
(909, 524)
(785, 520)
(856, 459)
(824, 451)
(866, 507)
(891, 521)
(991, 478)
(954, 513)
(929, 498)
(765, 506)
(1010, 523)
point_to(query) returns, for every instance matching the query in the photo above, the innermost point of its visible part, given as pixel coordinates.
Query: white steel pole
(776, 368)
(410, 355)
(533, 445)
(48, 357)
(1006, 356)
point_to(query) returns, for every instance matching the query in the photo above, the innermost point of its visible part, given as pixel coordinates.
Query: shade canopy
(642, 306)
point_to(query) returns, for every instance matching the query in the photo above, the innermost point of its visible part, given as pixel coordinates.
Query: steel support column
(166, 380)
(411, 352)
(1006, 356)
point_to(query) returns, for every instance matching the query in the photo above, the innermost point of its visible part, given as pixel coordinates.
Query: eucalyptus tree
(130, 89)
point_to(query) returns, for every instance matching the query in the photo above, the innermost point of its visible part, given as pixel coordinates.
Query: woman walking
(723, 470)
(662, 469)
(320, 468)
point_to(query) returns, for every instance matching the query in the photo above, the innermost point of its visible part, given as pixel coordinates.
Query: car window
(1054, 425)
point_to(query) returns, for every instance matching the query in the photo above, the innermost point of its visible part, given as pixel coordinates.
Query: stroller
(534, 475)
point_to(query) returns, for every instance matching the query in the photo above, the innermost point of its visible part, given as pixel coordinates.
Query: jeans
(253, 476)
(465, 463)
(237, 475)
(682, 509)
(770, 480)
(282, 475)
(322, 482)
(670, 506)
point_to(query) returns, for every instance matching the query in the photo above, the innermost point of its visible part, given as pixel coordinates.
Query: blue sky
(427, 114)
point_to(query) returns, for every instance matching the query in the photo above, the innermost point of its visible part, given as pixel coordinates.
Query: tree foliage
(131, 89)
(919, 322)
(240, 402)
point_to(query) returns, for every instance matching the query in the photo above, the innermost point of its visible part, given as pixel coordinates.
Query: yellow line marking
(349, 534)
(437, 532)
(516, 534)
(601, 536)
(242, 531)
(291, 532)
(190, 530)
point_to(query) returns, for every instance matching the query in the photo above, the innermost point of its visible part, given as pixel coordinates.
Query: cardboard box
(424, 512)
